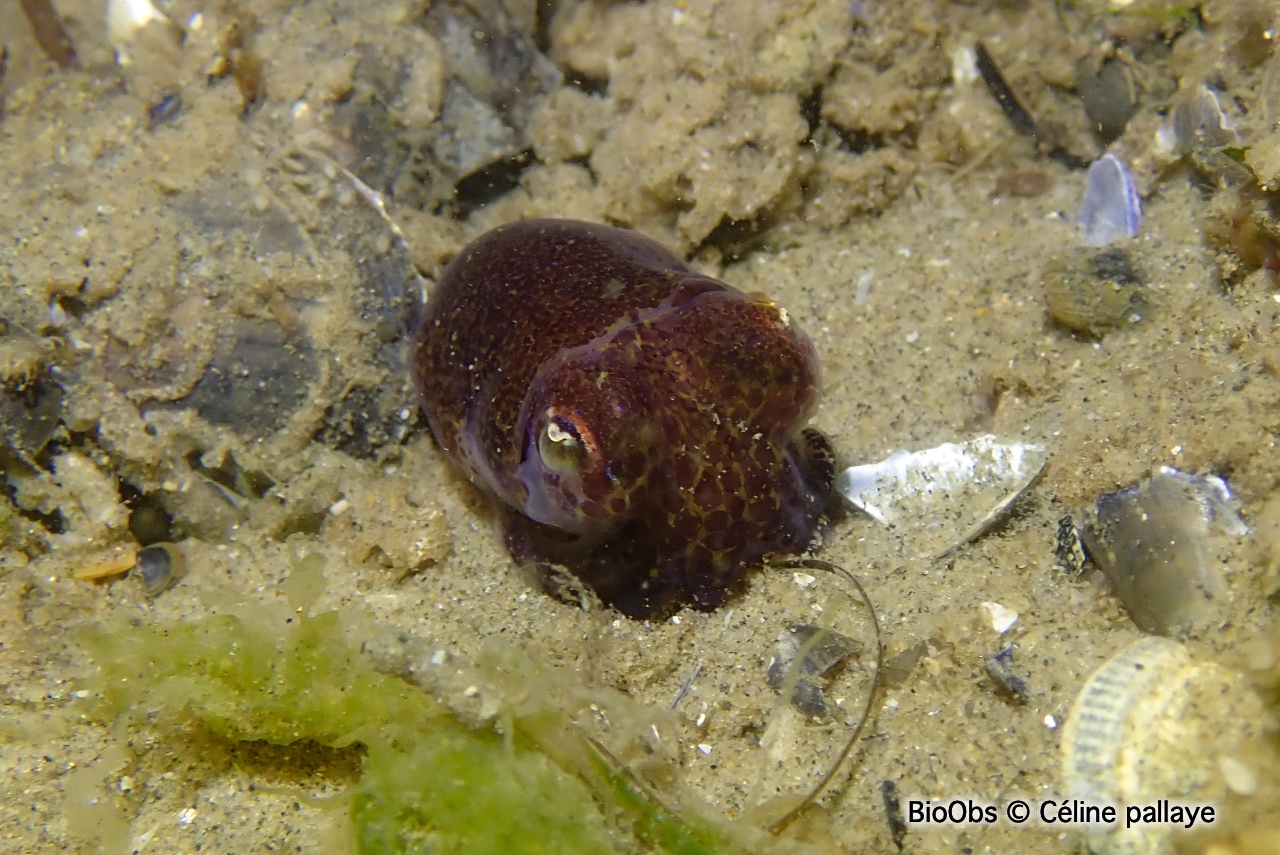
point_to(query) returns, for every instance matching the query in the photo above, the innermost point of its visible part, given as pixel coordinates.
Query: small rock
(1093, 292)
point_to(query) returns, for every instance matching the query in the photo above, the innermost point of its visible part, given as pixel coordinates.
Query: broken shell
(109, 563)
(802, 655)
(126, 17)
(258, 377)
(1152, 723)
(31, 411)
(160, 566)
(1111, 207)
(947, 496)
(127, 20)
(1001, 617)
(1153, 542)
(1198, 121)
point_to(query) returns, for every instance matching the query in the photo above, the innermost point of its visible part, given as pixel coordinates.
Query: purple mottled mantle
(640, 423)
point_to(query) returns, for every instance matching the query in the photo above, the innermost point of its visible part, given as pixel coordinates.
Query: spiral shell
(1155, 723)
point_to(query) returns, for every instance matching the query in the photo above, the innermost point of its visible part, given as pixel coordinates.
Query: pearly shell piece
(1111, 207)
(1152, 723)
(946, 496)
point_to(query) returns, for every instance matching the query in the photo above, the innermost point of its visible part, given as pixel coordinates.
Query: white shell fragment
(1111, 206)
(1001, 618)
(947, 496)
(1154, 541)
(964, 65)
(125, 18)
(1239, 778)
(1153, 723)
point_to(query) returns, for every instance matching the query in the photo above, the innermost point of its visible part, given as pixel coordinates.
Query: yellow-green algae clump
(429, 784)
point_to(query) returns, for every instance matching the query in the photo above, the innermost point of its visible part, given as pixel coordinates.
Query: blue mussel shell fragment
(1111, 204)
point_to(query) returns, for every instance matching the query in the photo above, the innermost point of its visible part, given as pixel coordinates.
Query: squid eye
(561, 448)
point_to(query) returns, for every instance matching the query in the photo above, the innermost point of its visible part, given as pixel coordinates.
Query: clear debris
(1111, 205)
(31, 411)
(1155, 542)
(258, 377)
(827, 678)
(801, 656)
(946, 496)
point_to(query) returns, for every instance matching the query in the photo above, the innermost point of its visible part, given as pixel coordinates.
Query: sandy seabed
(844, 166)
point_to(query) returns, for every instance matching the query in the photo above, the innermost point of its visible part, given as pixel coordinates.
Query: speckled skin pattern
(641, 423)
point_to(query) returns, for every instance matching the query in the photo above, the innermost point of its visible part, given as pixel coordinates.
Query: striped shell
(1155, 723)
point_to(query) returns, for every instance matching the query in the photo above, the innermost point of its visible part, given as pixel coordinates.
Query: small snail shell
(160, 566)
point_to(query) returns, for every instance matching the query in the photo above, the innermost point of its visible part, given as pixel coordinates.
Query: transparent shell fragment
(802, 655)
(947, 496)
(30, 413)
(824, 666)
(1154, 541)
(1198, 120)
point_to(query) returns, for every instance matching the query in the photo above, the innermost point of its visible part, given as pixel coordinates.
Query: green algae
(466, 791)
(540, 701)
(429, 783)
(656, 826)
(246, 683)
